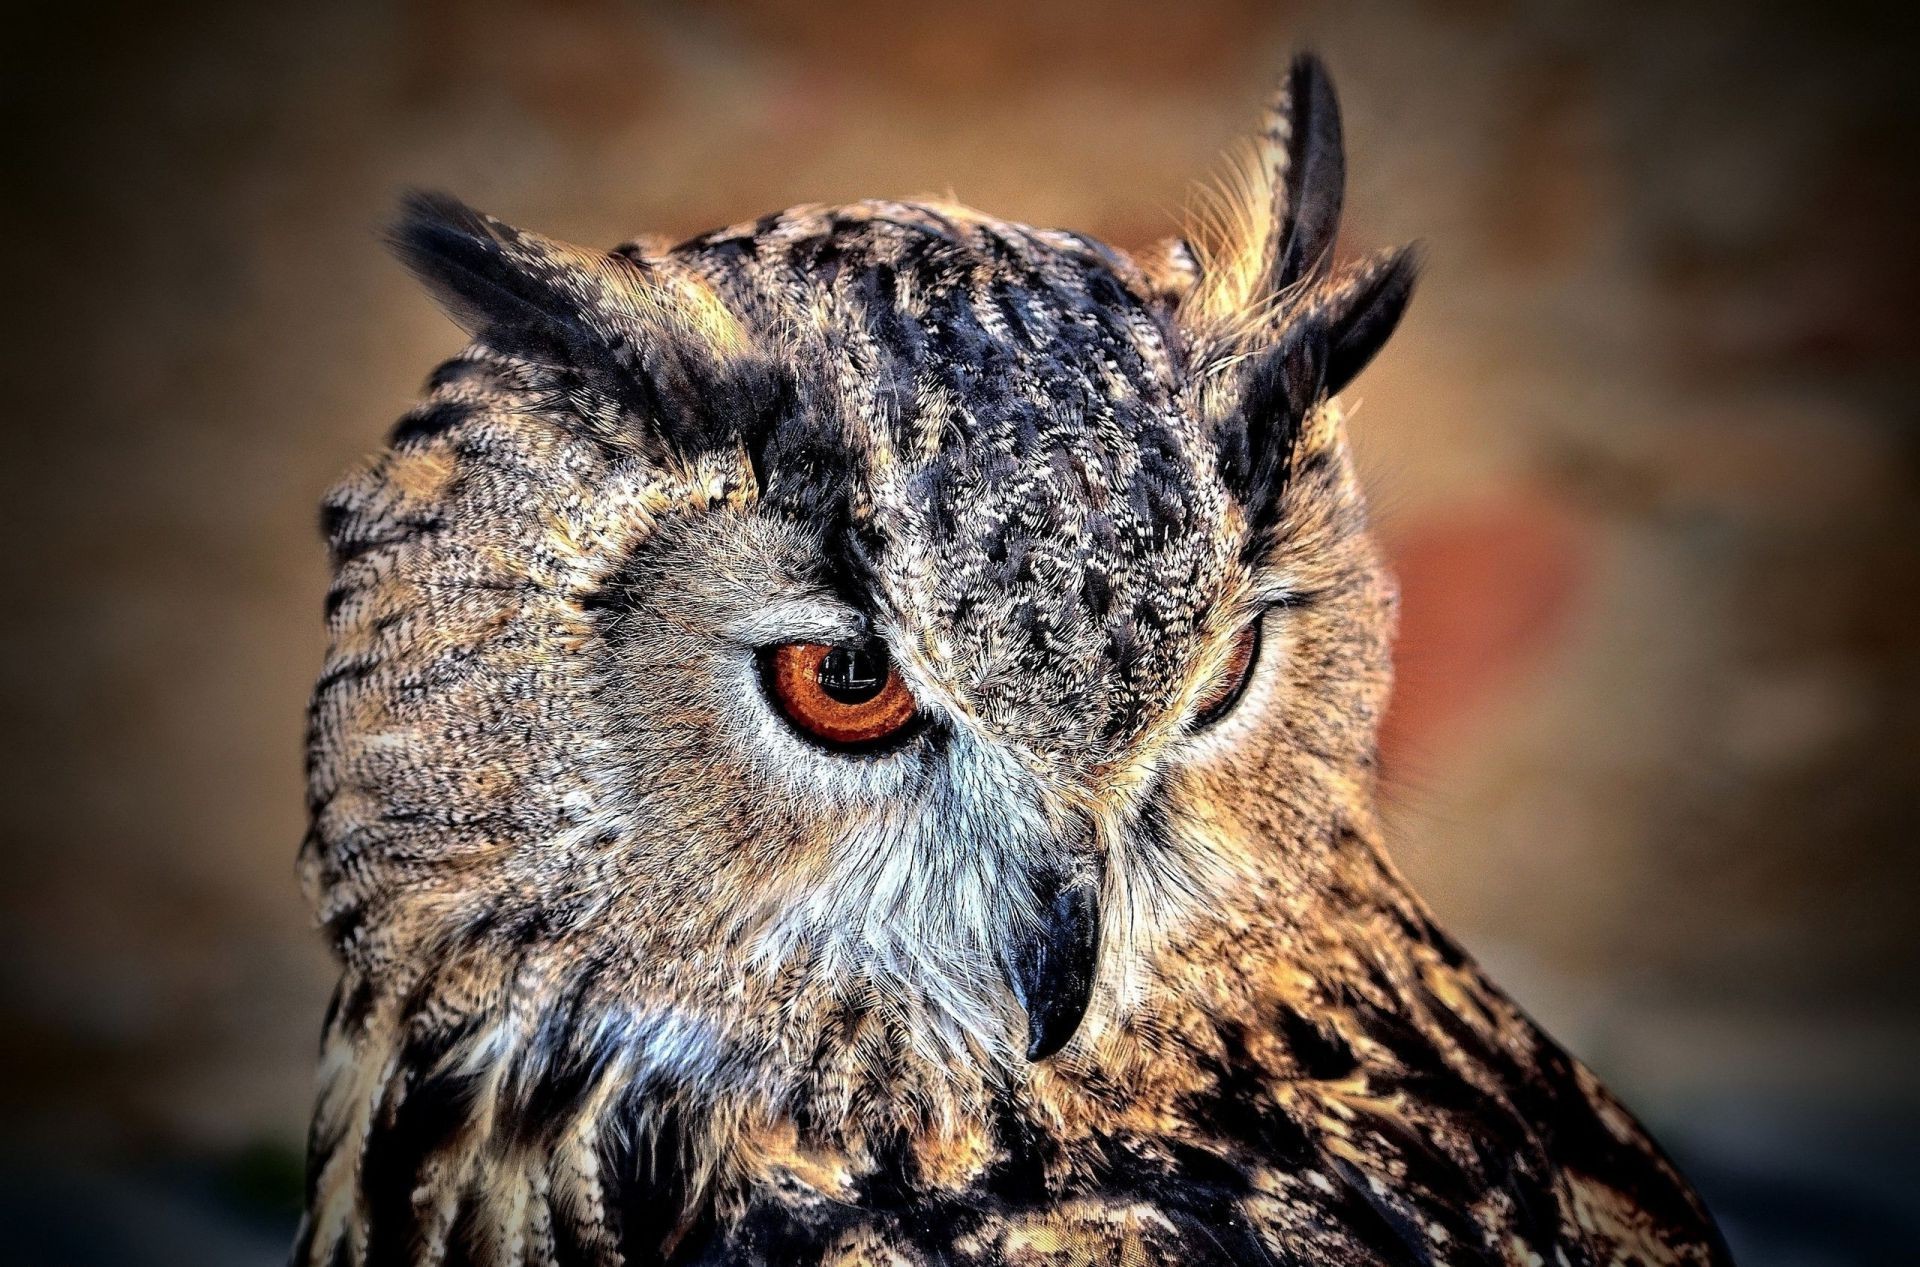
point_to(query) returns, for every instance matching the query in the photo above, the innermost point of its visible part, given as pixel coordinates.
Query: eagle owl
(851, 740)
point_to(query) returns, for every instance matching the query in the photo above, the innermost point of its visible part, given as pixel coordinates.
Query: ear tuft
(1273, 223)
(515, 289)
(636, 350)
(1276, 326)
(1362, 307)
(458, 254)
(1311, 181)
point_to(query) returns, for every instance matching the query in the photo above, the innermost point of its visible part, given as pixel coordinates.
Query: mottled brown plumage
(1099, 961)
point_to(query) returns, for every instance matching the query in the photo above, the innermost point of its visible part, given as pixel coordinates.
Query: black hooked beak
(1051, 968)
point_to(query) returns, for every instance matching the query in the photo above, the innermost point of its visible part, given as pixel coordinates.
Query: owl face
(1007, 497)
(879, 616)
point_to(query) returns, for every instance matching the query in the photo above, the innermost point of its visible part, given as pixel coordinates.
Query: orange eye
(1219, 698)
(845, 696)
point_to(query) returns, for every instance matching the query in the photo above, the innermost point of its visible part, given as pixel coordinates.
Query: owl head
(864, 651)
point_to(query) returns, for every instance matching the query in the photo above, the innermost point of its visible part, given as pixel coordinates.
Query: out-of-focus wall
(1643, 451)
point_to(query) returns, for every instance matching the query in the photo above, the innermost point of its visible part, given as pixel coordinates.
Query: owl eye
(847, 697)
(1226, 690)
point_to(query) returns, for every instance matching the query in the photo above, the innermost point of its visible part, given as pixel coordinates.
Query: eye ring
(1227, 689)
(848, 698)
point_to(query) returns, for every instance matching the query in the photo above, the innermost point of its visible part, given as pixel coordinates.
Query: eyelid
(1236, 678)
(1282, 593)
(808, 619)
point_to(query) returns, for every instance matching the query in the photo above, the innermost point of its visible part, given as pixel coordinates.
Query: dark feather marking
(429, 421)
(343, 925)
(674, 397)
(1320, 1053)
(659, 1219)
(1546, 1093)
(1222, 1237)
(1361, 325)
(771, 1235)
(1256, 446)
(355, 1003)
(1019, 1175)
(557, 1069)
(1316, 176)
(1421, 930)
(350, 671)
(463, 371)
(434, 1106)
(1448, 1187)
(346, 546)
(337, 596)
(1375, 1221)
(571, 1247)
(1195, 1188)
(894, 1184)
(467, 1243)
(322, 1143)
(1240, 1106)
(1509, 1146)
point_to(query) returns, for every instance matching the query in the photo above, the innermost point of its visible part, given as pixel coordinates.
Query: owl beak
(1051, 968)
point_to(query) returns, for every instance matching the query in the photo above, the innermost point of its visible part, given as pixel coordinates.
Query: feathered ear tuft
(1275, 326)
(501, 284)
(638, 350)
(1361, 307)
(1272, 227)
(1263, 255)
(1303, 134)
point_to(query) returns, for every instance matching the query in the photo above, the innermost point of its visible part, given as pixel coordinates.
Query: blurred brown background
(1644, 452)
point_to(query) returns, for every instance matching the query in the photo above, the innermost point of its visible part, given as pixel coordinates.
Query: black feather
(1315, 181)
(657, 1215)
(1280, 388)
(1334, 332)
(1363, 322)
(521, 296)
(565, 312)
(497, 282)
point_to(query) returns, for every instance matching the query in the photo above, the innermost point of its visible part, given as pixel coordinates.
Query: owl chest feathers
(1406, 1113)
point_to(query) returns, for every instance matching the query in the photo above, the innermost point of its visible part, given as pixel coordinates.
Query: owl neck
(829, 1089)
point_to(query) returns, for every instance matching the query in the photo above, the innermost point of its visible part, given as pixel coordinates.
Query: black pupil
(853, 675)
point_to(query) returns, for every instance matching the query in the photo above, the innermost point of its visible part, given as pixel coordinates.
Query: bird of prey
(850, 740)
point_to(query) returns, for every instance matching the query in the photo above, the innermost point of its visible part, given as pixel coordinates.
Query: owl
(851, 740)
